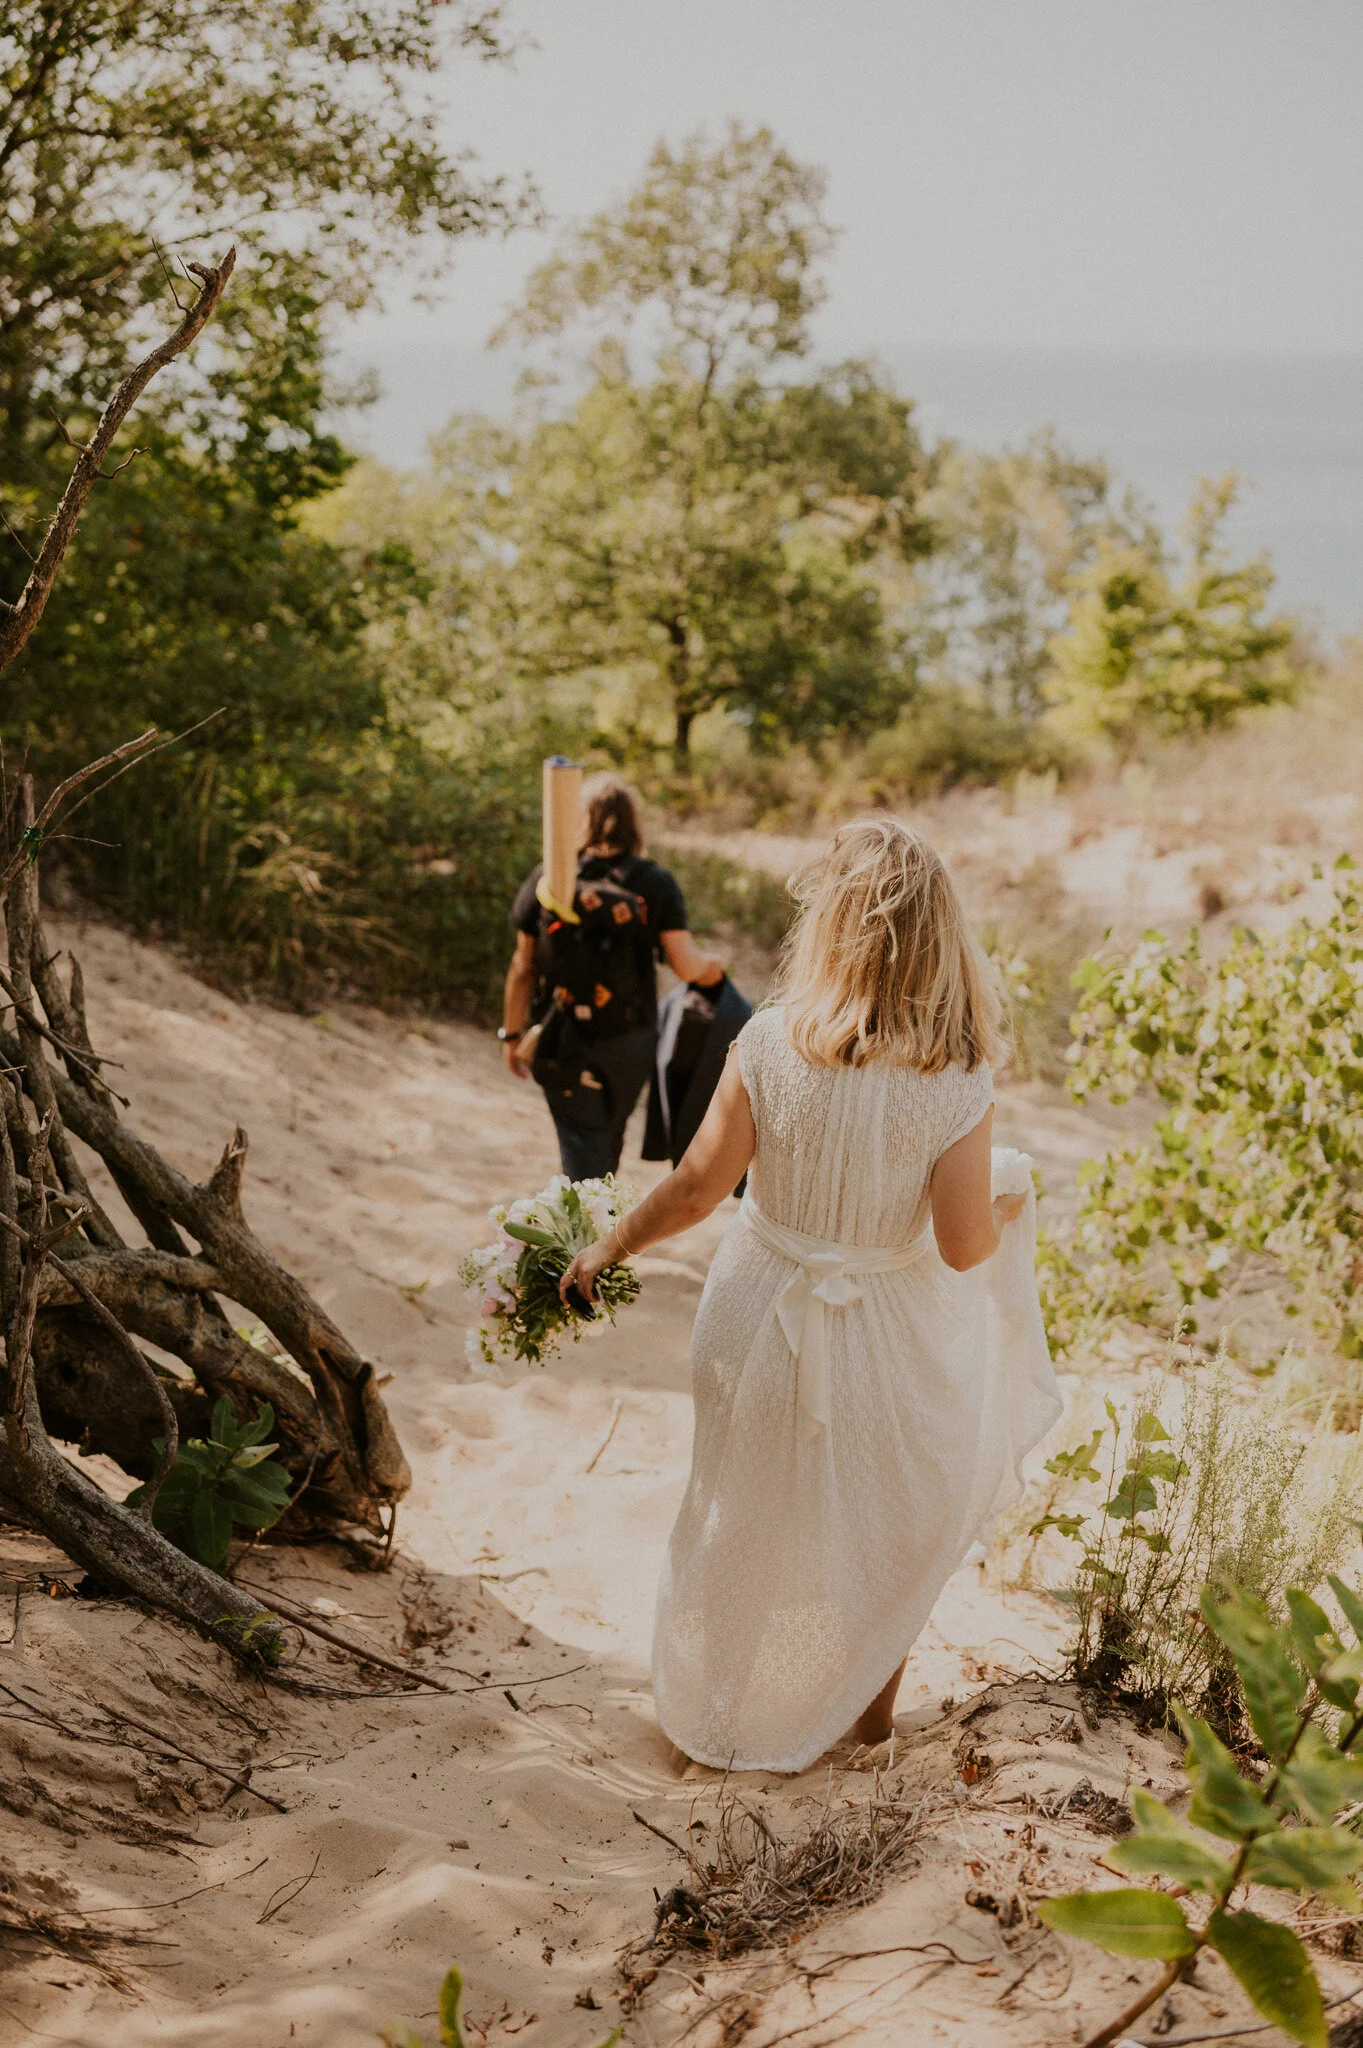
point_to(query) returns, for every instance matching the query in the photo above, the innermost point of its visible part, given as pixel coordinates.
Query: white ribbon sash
(826, 1277)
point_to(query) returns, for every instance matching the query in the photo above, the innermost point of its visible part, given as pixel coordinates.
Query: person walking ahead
(580, 1008)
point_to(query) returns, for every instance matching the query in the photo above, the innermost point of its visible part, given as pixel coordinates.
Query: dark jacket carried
(696, 1027)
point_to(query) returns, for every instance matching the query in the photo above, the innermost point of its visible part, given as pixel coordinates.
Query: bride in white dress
(868, 1361)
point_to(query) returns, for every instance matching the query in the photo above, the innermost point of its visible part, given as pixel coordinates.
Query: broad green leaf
(1164, 1846)
(1350, 1604)
(1163, 1465)
(1068, 1525)
(201, 1457)
(1125, 1923)
(222, 1426)
(1273, 1687)
(1135, 1496)
(1149, 1429)
(1223, 1802)
(1307, 1859)
(256, 1431)
(526, 1233)
(210, 1529)
(1319, 1647)
(1078, 1463)
(268, 1483)
(451, 1999)
(253, 1454)
(1347, 1668)
(1276, 1972)
(1319, 1781)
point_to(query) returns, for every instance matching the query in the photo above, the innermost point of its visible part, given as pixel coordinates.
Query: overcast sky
(1182, 174)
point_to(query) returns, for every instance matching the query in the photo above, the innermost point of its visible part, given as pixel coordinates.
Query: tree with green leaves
(133, 130)
(711, 534)
(1143, 655)
(130, 132)
(1014, 531)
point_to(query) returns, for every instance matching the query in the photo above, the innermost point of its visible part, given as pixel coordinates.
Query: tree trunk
(681, 741)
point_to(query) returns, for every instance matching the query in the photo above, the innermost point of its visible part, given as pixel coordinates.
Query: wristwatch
(508, 1037)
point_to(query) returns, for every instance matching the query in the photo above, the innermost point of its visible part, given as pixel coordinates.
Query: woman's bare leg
(878, 1720)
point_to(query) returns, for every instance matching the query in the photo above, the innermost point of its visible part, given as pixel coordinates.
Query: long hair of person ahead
(611, 816)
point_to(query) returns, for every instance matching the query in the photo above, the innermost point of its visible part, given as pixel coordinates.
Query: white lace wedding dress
(861, 1410)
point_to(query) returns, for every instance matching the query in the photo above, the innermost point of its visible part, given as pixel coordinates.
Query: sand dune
(496, 1827)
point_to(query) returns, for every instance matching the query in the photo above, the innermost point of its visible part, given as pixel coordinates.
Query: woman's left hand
(582, 1274)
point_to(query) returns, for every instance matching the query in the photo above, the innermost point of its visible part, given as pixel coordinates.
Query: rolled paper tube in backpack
(562, 820)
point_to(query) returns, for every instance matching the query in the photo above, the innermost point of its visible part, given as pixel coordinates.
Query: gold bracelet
(620, 1239)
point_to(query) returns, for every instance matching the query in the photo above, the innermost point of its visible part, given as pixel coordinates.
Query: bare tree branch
(17, 621)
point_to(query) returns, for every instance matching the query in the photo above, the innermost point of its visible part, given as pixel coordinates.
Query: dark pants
(591, 1121)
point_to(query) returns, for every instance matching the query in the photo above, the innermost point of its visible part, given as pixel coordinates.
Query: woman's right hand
(1006, 1207)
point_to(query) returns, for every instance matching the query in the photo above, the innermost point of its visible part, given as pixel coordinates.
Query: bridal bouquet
(537, 1240)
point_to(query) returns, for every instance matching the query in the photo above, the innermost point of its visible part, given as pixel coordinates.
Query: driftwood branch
(110, 1541)
(18, 620)
(95, 1384)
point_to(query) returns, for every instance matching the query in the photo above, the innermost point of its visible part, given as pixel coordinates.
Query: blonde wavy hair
(881, 963)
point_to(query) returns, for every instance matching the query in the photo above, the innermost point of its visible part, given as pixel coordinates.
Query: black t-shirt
(662, 898)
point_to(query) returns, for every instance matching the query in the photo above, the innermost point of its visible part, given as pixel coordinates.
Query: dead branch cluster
(748, 1889)
(76, 1295)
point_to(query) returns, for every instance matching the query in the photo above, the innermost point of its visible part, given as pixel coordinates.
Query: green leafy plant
(1301, 1688)
(1254, 1173)
(397, 2034)
(229, 1479)
(1190, 1486)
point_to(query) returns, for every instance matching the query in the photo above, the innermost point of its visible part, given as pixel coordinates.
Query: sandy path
(495, 1829)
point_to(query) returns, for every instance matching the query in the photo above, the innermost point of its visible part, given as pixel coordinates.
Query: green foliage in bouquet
(524, 1316)
(230, 1480)
(1256, 1167)
(1301, 1685)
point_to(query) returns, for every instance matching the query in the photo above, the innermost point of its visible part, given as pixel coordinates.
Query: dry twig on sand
(757, 1891)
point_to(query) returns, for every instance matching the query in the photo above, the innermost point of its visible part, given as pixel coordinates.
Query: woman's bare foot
(877, 1723)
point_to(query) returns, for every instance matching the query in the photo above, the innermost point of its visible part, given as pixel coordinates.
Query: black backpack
(593, 972)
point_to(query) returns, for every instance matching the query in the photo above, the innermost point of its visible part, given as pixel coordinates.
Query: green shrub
(1301, 1684)
(723, 897)
(949, 736)
(1254, 1173)
(229, 1480)
(1191, 1487)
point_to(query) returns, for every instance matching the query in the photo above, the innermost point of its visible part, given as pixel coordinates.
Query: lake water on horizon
(1292, 425)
